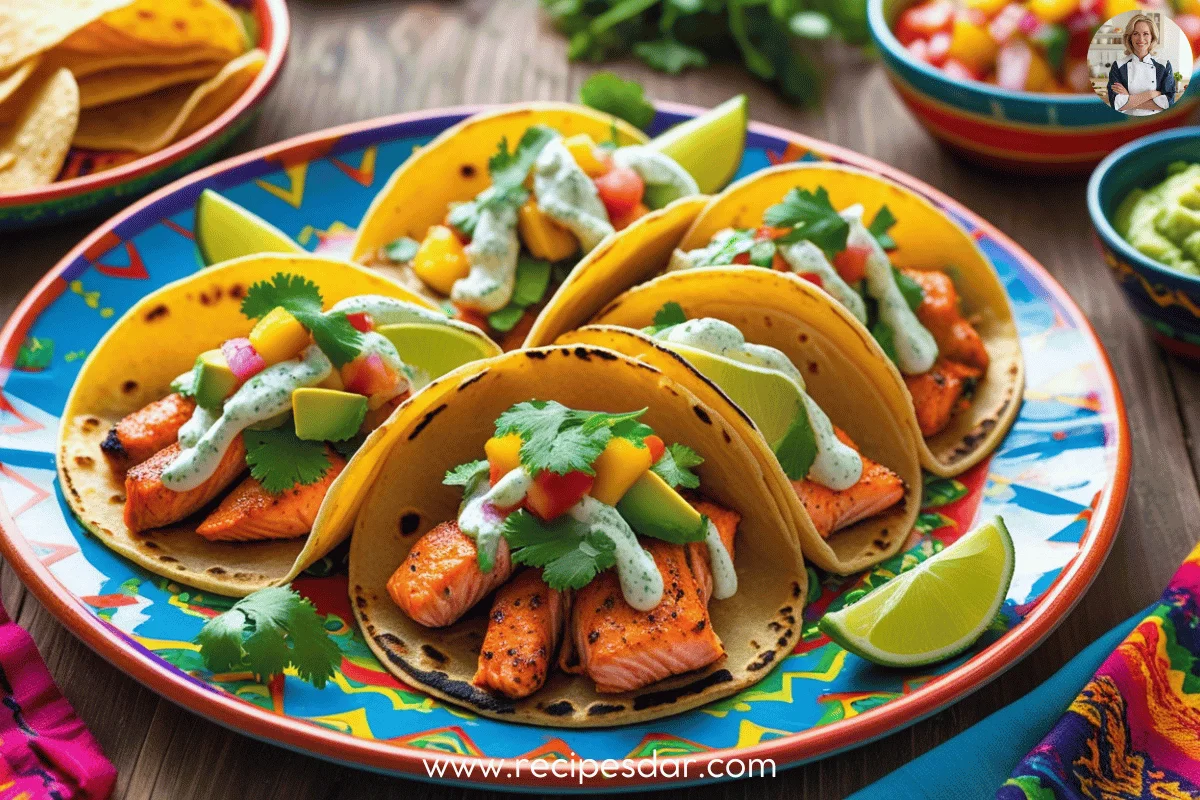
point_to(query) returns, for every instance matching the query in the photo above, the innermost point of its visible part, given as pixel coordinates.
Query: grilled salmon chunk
(956, 338)
(522, 635)
(250, 513)
(935, 394)
(440, 579)
(878, 489)
(623, 649)
(726, 522)
(144, 432)
(150, 504)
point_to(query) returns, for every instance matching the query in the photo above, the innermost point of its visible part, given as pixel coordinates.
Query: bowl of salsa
(1144, 201)
(1006, 82)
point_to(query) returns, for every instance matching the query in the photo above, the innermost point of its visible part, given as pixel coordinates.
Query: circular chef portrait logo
(1140, 62)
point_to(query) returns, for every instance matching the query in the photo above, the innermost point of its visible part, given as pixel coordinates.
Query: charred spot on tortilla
(112, 444)
(604, 355)
(215, 571)
(767, 321)
(537, 355)
(409, 524)
(471, 380)
(783, 641)
(802, 338)
(702, 414)
(84, 461)
(980, 432)
(560, 708)
(428, 418)
(237, 291)
(600, 709)
(795, 589)
(881, 543)
(129, 387)
(667, 696)
(813, 368)
(765, 659)
(582, 353)
(434, 654)
(149, 545)
(168, 559)
(441, 682)
(467, 171)
(156, 313)
(725, 434)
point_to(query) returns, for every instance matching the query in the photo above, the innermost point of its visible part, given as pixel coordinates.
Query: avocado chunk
(213, 380)
(653, 508)
(327, 415)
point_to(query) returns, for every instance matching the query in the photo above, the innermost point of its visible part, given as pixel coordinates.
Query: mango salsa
(618, 468)
(503, 454)
(441, 259)
(583, 150)
(542, 236)
(278, 336)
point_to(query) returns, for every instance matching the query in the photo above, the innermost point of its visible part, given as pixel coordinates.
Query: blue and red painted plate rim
(1067, 589)
(274, 34)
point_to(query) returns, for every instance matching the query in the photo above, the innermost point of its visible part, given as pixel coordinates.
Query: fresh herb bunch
(671, 35)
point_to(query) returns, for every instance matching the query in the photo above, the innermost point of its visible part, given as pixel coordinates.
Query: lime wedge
(438, 349)
(710, 146)
(225, 230)
(768, 397)
(935, 610)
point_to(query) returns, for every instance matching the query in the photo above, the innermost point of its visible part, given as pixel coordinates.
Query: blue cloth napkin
(980, 759)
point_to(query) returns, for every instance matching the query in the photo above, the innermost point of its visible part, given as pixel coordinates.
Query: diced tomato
(766, 232)
(620, 189)
(939, 48)
(631, 216)
(368, 375)
(779, 264)
(657, 448)
(551, 495)
(361, 321)
(922, 21)
(813, 278)
(851, 263)
(741, 258)
(471, 316)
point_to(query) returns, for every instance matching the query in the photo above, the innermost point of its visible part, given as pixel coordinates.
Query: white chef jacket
(1143, 77)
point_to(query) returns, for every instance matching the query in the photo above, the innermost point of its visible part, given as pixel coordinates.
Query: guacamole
(1163, 222)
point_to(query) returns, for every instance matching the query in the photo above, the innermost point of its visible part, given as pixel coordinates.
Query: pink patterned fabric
(45, 749)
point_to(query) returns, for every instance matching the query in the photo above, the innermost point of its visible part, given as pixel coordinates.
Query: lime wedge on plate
(710, 146)
(438, 349)
(225, 230)
(935, 610)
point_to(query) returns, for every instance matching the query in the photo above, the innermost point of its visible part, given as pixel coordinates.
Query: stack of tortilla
(131, 76)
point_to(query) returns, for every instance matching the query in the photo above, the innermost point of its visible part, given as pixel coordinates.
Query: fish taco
(914, 279)
(565, 536)
(222, 430)
(490, 217)
(799, 379)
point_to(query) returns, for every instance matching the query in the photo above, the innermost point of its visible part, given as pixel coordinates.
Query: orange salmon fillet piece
(440, 579)
(150, 504)
(935, 394)
(726, 521)
(956, 338)
(522, 635)
(623, 649)
(878, 489)
(251, 513)
(144, 432)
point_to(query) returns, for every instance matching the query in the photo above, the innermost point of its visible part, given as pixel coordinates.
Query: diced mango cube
(441, 259)
(972, 45)
(618, 468)
(503, 454)
(1041, 76)
(1053, 11)
(583, 150)
(542, 236)
(278, 336)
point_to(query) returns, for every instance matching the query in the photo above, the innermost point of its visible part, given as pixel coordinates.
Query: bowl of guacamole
(1144, 201)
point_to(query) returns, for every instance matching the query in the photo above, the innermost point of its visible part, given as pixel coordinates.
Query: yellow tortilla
(833, 352)
(447, 425)
(150, 123)
(40, 136)
(29, 27)
(155, 25)
(453, 168)
(134, 364)
(122, 83)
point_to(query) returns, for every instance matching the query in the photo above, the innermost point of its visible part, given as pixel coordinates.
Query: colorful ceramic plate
(91, 180)
(1059, 479)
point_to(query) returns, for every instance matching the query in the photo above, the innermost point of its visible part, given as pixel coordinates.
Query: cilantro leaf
(266, 632)
(669, 315)
(607, 92)
(509, 170)
(797, 450)
(576, 569)
(466, 474)
(463, 217)
(914, 295)
(401, 250)
(811, 216)
(879, 227)
(561, 439)
(280, 460)
(668, 55)
(348, 447)
(675, 466)
(568, 551)
(632, 430)
(333, 333)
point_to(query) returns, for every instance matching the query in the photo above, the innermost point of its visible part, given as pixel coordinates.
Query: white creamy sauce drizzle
(265, 395)
(201, 420)
(725, 580)
(657, 169)
(916, 349)
(804, 256)
(568, 196)
(641, 582)
(392, 311)
(479, 516)
(492, 254)
(690, 259)
(836, 465)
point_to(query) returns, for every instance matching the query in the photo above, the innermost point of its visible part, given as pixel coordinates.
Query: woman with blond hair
(1139, 84)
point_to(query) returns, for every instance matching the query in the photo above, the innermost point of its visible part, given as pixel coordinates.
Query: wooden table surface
(357, 59)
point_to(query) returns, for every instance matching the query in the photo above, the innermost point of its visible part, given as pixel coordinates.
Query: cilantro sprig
(560, 439)
(811, 216)
(569, 551)
(508, 170)
(280, 460)
(608, 92)
(333, 333)
(670, 315)
(266, 632)
(879, 227)
(675, 466)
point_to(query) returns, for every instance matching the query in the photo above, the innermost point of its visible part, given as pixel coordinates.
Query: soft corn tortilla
(840, 369)
(134, 364)
(158, 25)
(150, 123)
(34, 145)
(454, 168)
(448, 423)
